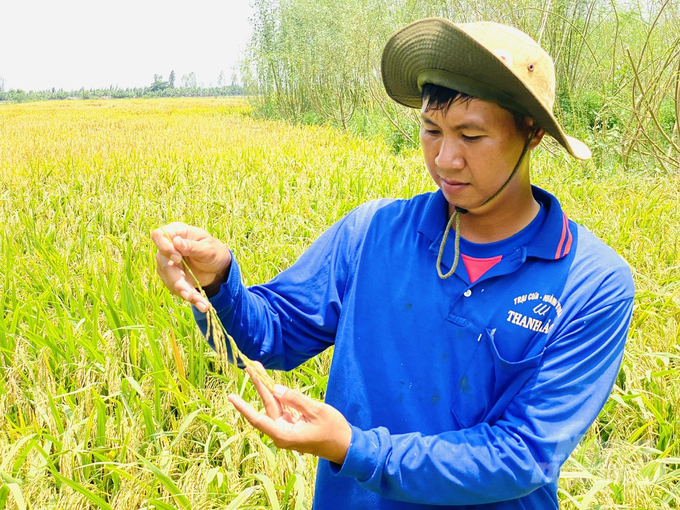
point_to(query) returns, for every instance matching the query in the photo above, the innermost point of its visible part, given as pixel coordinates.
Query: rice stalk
(218, 334)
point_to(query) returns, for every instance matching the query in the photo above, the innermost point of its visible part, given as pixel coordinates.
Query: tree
(220, 80)
(2, 84)
(171, 79)
(158, 83)
(189, 81)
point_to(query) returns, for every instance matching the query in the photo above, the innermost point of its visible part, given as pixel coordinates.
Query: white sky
(71, 44)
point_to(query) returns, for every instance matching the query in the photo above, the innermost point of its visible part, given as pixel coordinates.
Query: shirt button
(467, 293)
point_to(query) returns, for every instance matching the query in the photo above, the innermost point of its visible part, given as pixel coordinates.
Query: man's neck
(501, 222)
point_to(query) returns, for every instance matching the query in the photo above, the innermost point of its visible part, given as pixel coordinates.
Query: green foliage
(158, 83)
(317, 57)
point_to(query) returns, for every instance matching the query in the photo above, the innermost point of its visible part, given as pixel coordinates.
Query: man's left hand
(315, 428)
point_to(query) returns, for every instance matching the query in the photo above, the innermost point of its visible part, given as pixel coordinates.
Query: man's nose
(450, 155)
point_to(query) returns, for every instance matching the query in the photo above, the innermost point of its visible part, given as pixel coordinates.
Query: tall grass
(96, 408)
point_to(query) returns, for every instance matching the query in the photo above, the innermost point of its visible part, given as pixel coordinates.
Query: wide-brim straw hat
(485, 60)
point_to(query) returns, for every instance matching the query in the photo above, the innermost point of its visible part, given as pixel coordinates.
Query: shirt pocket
(490, 382)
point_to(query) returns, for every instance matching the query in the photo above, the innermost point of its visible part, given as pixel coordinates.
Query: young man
(466, 367)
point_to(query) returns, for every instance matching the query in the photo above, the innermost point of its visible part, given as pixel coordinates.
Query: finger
(181, 245)
(271, 404)
(261, 422)
(188, 293)
(173, 276)
(175, 279)
(308, 407)
(164, 243)
(196, 298)
(199, 302)
(200, 250)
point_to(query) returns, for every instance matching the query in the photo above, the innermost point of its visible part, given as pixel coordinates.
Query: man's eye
(471, 138)
(430, 131)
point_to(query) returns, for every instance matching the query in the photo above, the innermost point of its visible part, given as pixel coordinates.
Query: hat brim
(434, 50)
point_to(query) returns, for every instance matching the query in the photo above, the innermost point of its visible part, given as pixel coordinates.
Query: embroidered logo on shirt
(541, 309)
(538, 323)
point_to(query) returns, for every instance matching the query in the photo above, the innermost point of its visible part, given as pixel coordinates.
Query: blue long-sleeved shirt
(458, 393)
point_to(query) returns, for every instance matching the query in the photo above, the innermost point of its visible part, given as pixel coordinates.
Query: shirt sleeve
(525, 448)
(294, 316)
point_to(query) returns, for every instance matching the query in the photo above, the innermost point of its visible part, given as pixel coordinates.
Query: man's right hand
(208, 258)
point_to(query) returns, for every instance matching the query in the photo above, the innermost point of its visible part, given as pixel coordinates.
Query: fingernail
(279, 390)
(176, 258)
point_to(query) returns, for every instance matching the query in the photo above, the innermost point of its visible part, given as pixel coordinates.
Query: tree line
(188, 87)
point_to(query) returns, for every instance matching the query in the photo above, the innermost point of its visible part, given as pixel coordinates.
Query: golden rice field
(109, 397)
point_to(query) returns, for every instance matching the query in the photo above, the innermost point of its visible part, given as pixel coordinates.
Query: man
(465, 371)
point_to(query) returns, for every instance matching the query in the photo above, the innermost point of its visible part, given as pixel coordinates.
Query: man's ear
(529, 124)
(537, 139)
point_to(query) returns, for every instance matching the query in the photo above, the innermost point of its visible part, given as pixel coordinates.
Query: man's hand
(207, 257)
(319, 429)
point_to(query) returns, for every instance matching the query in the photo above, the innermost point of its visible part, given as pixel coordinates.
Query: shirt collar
(553, 241)
(435, 216)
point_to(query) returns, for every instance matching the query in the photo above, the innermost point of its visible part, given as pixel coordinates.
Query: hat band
(471, 87)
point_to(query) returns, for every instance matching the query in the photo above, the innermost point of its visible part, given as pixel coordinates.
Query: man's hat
(485, 60)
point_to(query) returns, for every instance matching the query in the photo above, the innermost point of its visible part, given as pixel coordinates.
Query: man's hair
(441, 98)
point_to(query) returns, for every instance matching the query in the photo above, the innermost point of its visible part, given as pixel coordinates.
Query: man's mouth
(453, 185)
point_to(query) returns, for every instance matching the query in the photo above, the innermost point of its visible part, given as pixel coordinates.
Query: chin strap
(459, 210)
(454, 217)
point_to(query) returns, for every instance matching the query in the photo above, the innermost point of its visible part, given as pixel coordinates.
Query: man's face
(471, 149)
